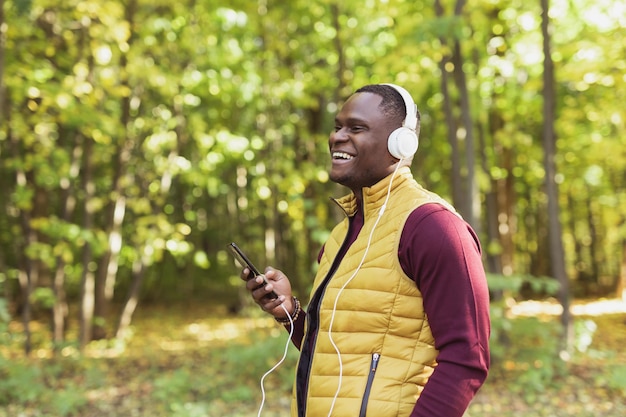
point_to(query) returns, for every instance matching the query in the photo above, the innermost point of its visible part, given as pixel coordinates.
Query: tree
(138, 138)
(557, 256)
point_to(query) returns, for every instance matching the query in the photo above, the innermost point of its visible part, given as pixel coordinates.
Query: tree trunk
(2, 118)
(549, 141)
(457, 178)
(465, 198)
(494, 262)
(596, 258)
(472, 200)
(26, 271)
(87, 296)
(138, 274)
(621, 284)
(339, 48)
(116, 208)
(68, 202)
(140, 264)
(2, 48)
(108, 266)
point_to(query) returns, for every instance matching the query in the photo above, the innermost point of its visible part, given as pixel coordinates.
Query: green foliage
(222, 381)
(502, 326)
(617, 378)
(138, 138)
(190, 410)
(68, 401)
(173, 385)
(583, 334)
(166, 370)
(510, 285)
(54, 388)
(535, 345)
(5, 335)
(526, 350)
(4, 313)
(20, 382)
(43, 296)
(533, 342)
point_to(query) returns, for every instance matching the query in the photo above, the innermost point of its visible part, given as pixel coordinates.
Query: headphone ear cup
(402, 143)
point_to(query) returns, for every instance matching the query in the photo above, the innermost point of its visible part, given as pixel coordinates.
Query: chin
(340, 179)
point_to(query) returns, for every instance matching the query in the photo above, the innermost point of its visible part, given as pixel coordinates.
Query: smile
(342, 155)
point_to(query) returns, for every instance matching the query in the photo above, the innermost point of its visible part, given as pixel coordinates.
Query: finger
(255, 283)
(245, 274)
(270, 305)
(272, 274)
(261, 292)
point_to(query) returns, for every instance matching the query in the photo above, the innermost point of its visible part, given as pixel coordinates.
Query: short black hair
(392, 105)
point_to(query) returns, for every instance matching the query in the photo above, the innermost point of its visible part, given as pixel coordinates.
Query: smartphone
(245, 262)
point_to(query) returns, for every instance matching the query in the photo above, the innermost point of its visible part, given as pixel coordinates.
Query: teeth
(341, 155)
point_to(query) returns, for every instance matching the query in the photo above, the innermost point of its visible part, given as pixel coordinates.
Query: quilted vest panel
(377, 313)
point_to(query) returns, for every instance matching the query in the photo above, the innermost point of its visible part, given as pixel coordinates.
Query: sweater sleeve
(442, 254)
(298, 330)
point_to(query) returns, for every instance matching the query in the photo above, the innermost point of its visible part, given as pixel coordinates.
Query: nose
(339, 135)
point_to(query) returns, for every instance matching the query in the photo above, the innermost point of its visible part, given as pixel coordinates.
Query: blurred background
(138, 138)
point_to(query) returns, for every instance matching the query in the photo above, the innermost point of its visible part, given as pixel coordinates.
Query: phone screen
(243, 261)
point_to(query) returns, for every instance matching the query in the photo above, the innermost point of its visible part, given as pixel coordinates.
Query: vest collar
(374, 196)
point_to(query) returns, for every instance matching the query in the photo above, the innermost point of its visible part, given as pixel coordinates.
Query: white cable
(279, 362)
(332, 317)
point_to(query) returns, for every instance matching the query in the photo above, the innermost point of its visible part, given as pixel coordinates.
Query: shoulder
(431, 226)
(433, 215)
(436, 243)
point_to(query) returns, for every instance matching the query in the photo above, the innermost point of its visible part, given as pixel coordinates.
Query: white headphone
(403, 141)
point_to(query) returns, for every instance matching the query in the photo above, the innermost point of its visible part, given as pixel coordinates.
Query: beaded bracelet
(296, 312)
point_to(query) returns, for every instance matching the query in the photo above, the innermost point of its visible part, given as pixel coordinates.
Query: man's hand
(278, 282)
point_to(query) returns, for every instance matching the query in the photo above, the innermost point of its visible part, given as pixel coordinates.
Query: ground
(186, 361)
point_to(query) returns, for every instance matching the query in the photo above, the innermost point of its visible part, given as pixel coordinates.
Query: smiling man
(398, 318)
(358, 145)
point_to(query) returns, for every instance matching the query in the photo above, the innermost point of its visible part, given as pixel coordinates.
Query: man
(398, 319)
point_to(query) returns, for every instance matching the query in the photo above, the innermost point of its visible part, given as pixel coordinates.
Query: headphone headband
(410, 121)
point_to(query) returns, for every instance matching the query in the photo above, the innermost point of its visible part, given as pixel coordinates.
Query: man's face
(358, 145)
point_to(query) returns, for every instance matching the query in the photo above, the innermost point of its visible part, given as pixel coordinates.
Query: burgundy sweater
(442, 254)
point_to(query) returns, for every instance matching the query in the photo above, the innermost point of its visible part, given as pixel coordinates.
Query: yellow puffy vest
(379, 325)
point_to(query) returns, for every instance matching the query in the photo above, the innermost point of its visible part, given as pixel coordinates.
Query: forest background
(138, 138)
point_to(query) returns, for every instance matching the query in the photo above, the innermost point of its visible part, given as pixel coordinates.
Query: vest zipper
(368, 385)
(303, 370)
(313, 315)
